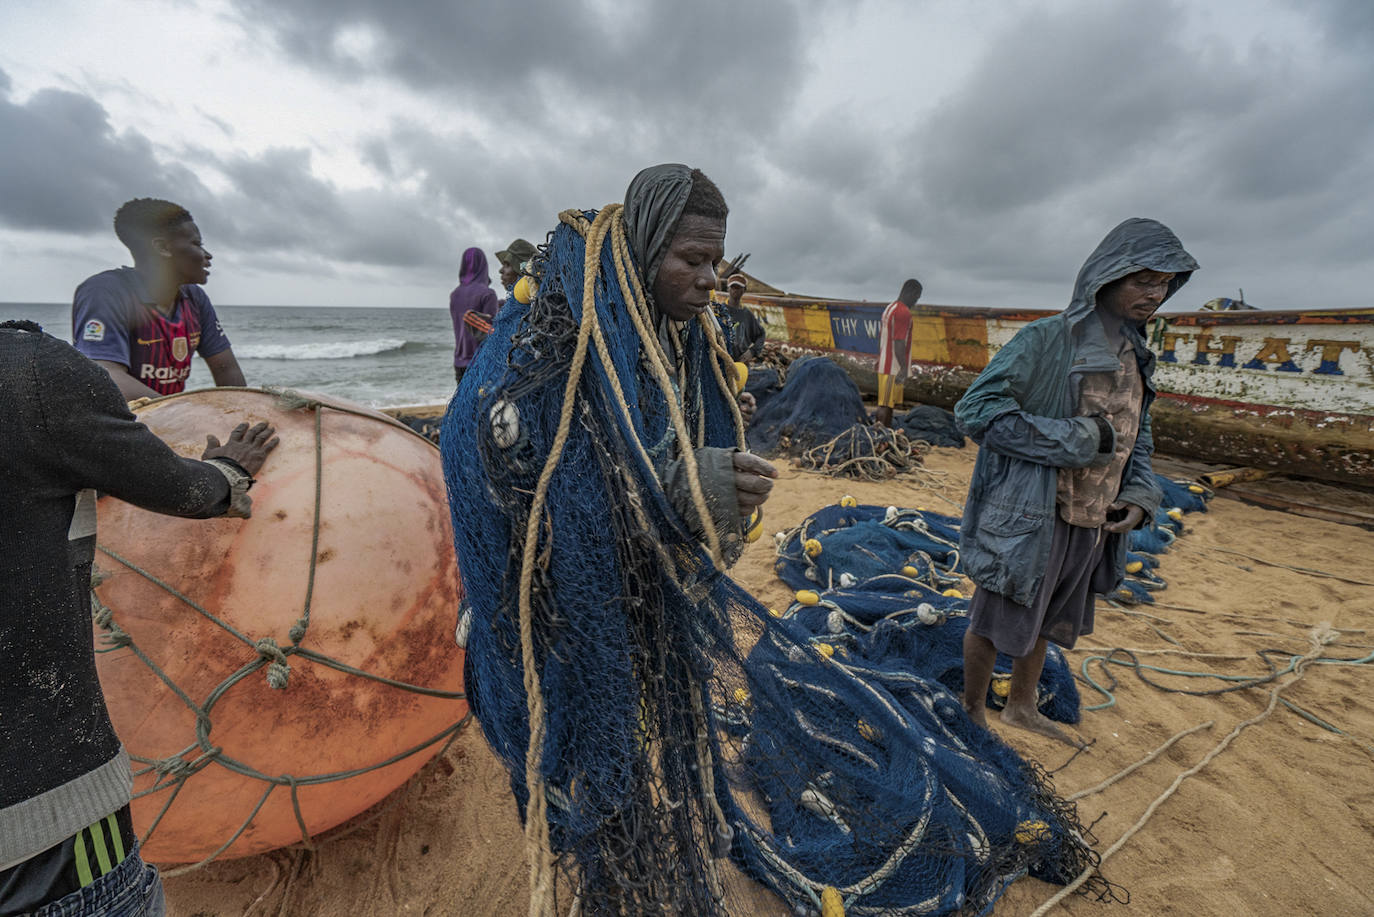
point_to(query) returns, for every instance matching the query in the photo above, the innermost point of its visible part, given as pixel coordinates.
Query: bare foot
(979, 714)
(1035, 721)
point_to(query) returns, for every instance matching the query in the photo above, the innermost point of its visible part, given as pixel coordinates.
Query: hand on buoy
(245, 447)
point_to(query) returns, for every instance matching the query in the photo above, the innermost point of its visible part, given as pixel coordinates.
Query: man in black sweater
(65, 781)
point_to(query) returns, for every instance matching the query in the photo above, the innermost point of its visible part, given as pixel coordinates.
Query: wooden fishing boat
(1287, 390)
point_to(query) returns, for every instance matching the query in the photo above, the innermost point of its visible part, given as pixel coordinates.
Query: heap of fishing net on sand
(680, 730)
(811, 410)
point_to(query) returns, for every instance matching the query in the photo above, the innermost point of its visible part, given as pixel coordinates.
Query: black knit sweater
(64, 429)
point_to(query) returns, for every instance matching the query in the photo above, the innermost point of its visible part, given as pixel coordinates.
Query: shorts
(131, 889)
(890, 390)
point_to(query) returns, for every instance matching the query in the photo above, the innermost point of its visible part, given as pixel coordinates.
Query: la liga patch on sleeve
(95, 331)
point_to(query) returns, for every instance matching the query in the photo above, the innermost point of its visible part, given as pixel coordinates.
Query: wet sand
(1279, 822)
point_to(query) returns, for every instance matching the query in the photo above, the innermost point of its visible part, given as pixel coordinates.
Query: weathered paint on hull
(1292, 391)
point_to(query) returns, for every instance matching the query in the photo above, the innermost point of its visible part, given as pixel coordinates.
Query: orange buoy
(216, 746)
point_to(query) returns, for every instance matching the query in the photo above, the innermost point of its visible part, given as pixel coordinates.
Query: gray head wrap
(653, 205)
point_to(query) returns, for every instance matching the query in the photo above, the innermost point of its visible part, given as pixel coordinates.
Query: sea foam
(320, 350)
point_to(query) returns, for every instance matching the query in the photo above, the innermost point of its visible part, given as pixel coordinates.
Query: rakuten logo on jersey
(163, 373)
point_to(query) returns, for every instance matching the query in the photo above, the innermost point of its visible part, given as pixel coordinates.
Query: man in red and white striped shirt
(894, 350)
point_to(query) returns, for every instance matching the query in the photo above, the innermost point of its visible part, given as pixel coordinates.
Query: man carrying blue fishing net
(1062, 416)
(665, 733)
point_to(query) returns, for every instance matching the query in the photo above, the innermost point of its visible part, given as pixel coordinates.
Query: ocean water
(378, 357)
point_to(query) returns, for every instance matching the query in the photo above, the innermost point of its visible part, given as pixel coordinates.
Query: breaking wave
(320, 350)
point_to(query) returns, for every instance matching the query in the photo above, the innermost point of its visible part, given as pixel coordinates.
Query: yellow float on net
(832, 905)
(741, 696)
(741, 376)
(775, 613)
(1001, 685)
(525, 290)
(1032, 832)
(812, 547)
(848, 502)
(910, 571)
(1196, 489)
(868, 732)
(1175, 514)
(953, 593)
(825, 649)
(807, 597)
(755, 531)
(1135, 566)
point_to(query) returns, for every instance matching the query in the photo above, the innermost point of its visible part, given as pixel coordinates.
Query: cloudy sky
(345, 152)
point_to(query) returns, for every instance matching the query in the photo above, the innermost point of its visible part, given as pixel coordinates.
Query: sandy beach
(1277, 821)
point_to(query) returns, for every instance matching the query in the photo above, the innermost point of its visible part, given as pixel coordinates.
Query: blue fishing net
(681, 729)
(930, 424)
(764, 382)
(887, 570)
(817, 403)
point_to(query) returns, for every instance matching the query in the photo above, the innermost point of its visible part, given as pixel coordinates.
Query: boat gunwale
(1350, 315)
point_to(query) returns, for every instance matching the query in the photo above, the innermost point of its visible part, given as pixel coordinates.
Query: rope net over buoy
(275, 676)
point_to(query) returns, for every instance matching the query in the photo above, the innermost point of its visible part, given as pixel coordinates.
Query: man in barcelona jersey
(142, 323)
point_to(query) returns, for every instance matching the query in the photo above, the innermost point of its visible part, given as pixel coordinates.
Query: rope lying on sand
(1319, 638)
(872, 453)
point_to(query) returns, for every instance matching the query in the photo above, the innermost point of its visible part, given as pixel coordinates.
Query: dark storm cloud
(277, 204)
(556, 105)
(1075, 119)
(654, 59)
(1258, 151)
(65, 168)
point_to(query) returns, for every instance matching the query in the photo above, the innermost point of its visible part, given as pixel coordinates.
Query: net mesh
(680, 731)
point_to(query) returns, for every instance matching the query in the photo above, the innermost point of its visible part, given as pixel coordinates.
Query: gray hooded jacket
(1021, 411)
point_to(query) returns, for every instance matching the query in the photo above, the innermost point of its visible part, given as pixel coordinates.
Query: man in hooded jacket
(1061, 414)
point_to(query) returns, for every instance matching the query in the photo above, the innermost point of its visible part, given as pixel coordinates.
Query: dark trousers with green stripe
(95, 871)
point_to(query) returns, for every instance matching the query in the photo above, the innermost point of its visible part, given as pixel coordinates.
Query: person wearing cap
(748, 338)
(511, 257)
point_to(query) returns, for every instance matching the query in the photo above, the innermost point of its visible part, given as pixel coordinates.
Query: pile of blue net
(678, 726)
(818, 416)
(817, 403)
(881, 586)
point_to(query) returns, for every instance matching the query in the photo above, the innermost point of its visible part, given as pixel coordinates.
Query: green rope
(1239, 682)
(298, 629)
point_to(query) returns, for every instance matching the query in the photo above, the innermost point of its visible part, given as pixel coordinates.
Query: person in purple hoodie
(472, 304)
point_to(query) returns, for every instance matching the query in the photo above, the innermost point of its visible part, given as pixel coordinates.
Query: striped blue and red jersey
(113, 320)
